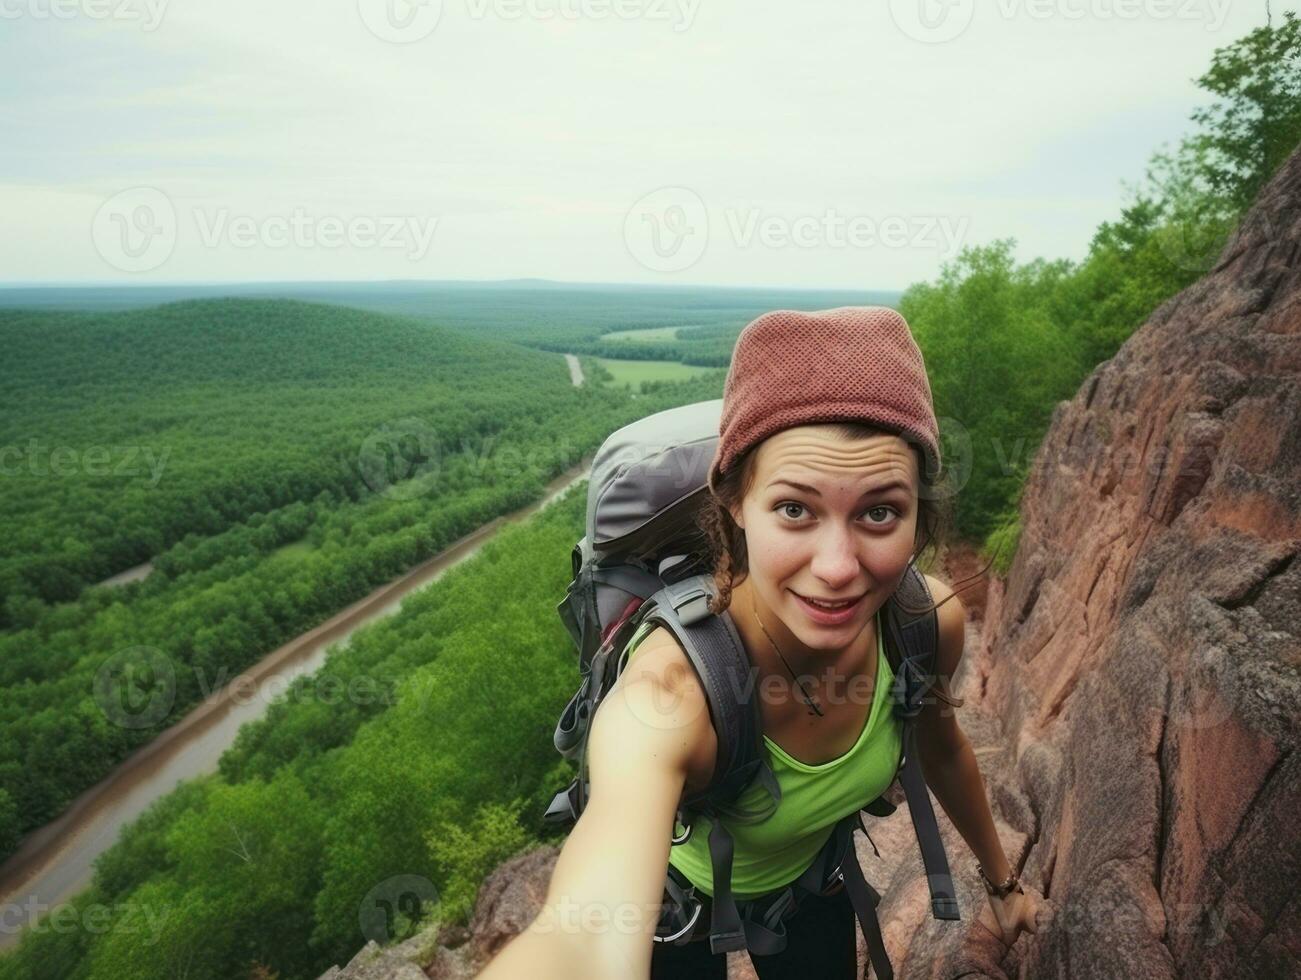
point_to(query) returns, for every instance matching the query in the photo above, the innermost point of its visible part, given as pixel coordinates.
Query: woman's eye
(784, 507)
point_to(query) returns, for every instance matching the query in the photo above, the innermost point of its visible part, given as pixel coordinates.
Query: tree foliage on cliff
(1005, 342)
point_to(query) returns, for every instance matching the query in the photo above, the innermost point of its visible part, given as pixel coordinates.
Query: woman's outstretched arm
(605, 894)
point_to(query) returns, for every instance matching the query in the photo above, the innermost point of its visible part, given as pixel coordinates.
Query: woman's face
(851, 535)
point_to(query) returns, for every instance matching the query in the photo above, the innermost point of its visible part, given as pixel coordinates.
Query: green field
(636, 373)
(648, 333)
(294, 549)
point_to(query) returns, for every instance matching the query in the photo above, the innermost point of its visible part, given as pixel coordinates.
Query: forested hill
(122, 432)
(256, 340)
(589, 318)
(274, 461)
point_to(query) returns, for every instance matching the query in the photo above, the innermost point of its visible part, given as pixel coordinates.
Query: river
(56, 861)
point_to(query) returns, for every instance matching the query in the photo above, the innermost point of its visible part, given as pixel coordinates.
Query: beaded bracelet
(1009, 884)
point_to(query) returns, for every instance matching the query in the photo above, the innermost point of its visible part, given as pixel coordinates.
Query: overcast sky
(742, 142)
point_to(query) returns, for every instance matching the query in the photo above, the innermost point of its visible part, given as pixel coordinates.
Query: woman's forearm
(554, 954)
(956, 782)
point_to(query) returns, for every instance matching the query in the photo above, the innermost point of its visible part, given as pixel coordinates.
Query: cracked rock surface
(1142, 656)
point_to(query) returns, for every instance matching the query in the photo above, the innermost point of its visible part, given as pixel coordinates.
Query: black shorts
(822, 941)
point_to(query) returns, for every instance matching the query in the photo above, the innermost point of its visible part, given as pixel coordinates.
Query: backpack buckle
(677, 937)
(727, 942)
(680, 911)
(693, 608)
(945, 908)
(690, 826)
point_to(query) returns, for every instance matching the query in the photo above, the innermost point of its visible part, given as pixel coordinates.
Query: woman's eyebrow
(892, 485)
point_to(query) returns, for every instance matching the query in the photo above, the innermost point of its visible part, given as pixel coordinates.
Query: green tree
(1257, 123)
(468, 854)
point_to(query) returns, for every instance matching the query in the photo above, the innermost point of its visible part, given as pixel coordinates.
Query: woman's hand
(1007, 917)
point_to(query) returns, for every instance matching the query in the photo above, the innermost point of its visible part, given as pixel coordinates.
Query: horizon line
(109, 283)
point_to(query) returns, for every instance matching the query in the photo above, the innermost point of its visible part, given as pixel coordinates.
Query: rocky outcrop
(436, 952)
(1142, 660)
(1133, 686)
(508, 901)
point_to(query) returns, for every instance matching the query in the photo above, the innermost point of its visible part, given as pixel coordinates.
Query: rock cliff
(1142, 657)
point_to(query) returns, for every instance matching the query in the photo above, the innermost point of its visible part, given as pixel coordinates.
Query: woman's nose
(836, 559)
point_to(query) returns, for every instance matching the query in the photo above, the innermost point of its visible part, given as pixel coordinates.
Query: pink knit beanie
(851, 363)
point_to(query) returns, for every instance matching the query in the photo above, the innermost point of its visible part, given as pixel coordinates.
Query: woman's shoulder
(951, 612)
(660, 654)
(939, 589)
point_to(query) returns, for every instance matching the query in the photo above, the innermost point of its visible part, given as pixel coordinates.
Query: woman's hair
(725, 539)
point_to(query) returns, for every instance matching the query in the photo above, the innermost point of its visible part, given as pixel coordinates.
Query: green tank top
(775, 851)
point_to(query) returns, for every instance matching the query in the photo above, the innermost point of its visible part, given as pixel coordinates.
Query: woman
(823, 487)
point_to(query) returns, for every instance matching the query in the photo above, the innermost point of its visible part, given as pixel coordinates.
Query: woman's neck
(842, 663)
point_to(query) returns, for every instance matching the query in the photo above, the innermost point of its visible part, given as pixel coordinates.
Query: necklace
(812, 704)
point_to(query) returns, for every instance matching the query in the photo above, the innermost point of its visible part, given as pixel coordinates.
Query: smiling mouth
(832, 606)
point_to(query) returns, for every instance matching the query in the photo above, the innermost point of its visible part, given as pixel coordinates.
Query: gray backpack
(644, 557)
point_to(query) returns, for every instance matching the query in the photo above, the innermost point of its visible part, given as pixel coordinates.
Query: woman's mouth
(829, 614)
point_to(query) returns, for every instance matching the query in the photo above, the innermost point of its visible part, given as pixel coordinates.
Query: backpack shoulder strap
(714, 648)
(713, 645)
(912, 642)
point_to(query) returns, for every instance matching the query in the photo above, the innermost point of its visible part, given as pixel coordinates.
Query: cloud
(532, 136)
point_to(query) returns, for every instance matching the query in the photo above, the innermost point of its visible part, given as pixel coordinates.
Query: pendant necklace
(810, 702)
